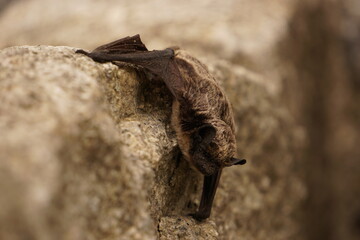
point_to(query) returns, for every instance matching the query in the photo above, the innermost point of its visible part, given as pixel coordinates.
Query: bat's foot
(200, 216)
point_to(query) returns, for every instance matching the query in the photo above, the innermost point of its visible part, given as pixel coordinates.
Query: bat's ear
(206, 133)
(236, 161)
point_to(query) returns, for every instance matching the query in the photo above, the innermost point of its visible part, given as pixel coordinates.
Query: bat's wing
(123, 45)
(173, 79)
(161, 63)
(132, 50)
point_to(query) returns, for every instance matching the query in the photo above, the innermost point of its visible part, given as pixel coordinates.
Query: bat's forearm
(159, 62)
(135, 58)
(208, 194)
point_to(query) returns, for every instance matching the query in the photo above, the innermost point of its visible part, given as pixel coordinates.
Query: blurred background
(308, 51)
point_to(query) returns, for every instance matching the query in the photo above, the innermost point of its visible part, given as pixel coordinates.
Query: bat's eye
(206, 131)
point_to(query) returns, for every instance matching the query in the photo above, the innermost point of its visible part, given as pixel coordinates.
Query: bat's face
(213, 147)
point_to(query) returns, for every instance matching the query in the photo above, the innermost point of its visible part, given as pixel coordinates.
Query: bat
(201, 113)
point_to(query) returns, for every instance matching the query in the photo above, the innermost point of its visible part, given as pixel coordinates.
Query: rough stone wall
(87, 152)
(66, 170)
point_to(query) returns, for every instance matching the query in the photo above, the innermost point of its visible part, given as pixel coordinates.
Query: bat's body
(201, 117)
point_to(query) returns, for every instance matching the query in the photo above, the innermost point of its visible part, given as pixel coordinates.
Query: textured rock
(87, 152)
(186, 228)
(62, 153)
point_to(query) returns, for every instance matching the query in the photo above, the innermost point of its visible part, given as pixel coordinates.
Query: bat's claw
(82, 52)
(241, 162)
(199, 216)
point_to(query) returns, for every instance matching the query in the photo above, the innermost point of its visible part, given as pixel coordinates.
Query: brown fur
(204, 102)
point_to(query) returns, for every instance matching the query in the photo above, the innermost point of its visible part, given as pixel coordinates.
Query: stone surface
(87, 152)
(186, 228)
(68, 166)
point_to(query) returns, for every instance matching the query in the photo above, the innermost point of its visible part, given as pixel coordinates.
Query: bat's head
(214, 147)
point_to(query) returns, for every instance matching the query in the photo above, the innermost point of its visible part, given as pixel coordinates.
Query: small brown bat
(201, 113)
